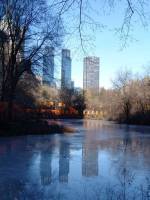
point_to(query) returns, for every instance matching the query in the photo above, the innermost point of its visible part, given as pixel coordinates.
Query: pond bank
(32, 127)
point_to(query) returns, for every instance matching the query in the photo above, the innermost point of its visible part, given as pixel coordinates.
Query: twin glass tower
(66, 69)
(48, 68)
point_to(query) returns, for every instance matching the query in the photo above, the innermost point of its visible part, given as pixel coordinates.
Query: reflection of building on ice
(64, 157)
(89, 160)
(90, 150)
(45, 168)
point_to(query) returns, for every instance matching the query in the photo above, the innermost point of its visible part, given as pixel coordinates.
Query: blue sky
(135, 56)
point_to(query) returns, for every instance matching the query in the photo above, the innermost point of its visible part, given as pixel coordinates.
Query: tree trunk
(10, 110)
(3, 93)
(7, 96)
(10, 104)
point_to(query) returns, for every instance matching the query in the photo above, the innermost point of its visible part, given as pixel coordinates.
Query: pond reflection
(101, 160)
(64, 158)
(89, 152)
(46, 166)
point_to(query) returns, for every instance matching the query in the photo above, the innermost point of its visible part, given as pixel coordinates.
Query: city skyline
(118, 59)
(64, 75)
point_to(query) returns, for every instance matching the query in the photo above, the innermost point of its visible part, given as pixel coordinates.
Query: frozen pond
(101, 160)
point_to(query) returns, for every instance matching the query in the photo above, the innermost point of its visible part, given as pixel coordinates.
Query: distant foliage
(128, 101)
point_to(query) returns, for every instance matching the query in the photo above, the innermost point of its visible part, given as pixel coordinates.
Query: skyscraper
(66, 69)
(48, 66)
(91, 74)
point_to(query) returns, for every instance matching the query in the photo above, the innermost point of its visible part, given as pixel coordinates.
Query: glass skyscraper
(48, 66)
(66, 69)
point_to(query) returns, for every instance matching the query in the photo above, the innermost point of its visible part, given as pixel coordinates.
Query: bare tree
(122, 84)
(25, 27)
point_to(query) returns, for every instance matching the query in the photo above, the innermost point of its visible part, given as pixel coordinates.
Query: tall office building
(91, 74)
(66, 69)
(48, 66)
